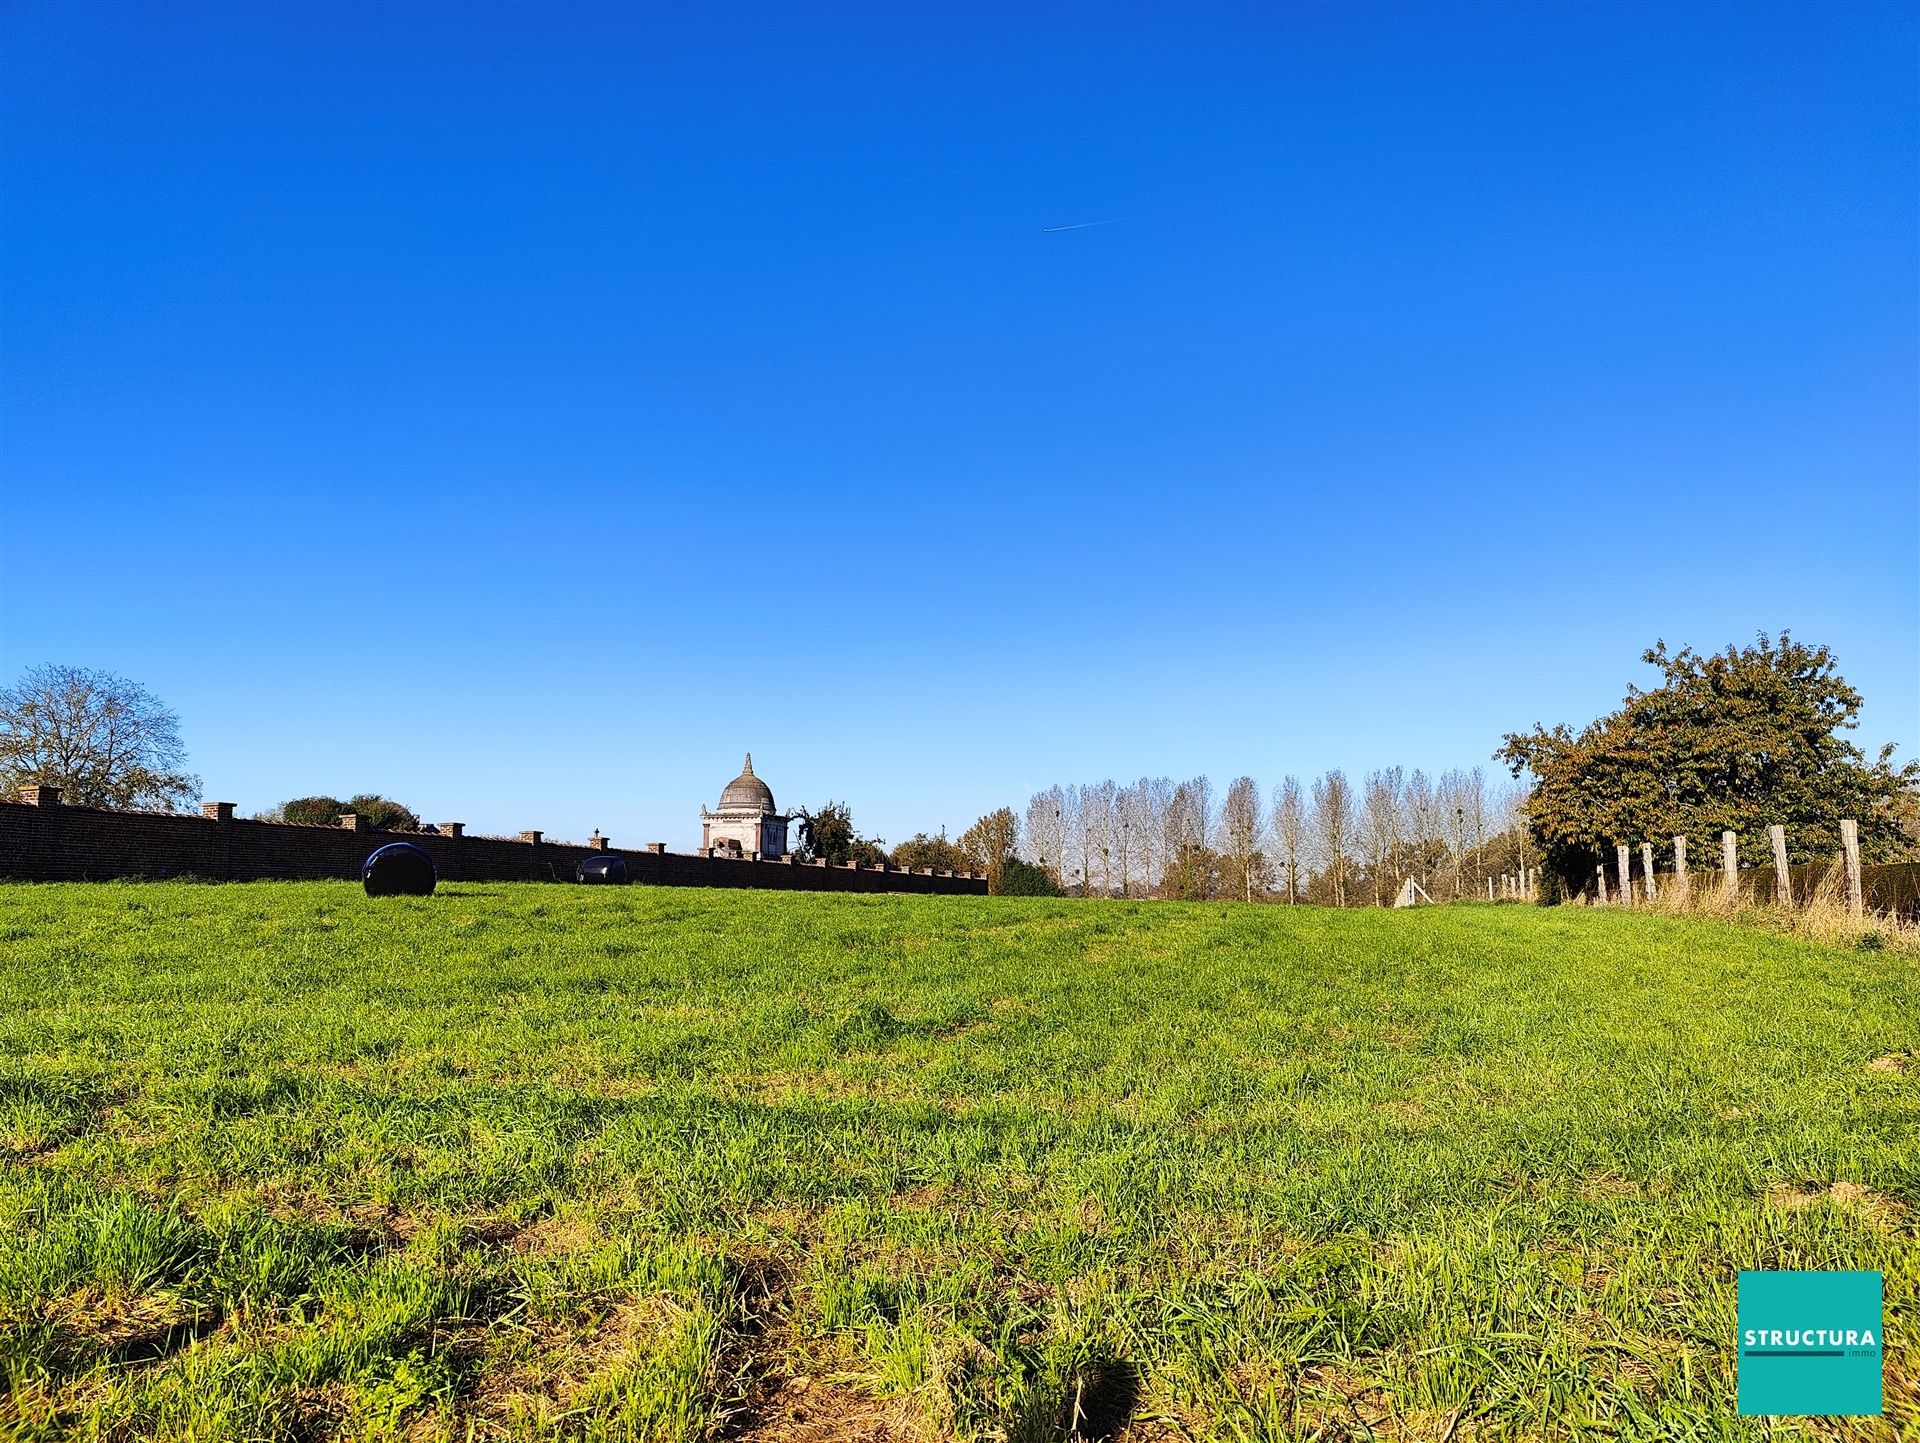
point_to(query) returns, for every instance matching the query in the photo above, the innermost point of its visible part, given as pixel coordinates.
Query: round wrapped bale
(609, 870)
(399, 869)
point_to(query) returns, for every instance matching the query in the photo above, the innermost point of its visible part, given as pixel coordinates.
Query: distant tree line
(1325, 841)
(990, 846)
(1738, 740)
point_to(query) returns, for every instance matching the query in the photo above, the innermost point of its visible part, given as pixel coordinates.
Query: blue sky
(523, 411)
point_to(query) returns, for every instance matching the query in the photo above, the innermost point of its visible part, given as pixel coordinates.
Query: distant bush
(921, 851)
(1023, 879)
(383, 814)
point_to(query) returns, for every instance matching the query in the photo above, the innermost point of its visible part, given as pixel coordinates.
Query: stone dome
(746, 792)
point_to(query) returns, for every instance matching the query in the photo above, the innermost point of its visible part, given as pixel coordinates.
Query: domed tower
(746, 821)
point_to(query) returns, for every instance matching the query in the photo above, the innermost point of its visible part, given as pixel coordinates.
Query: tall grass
(1825, 917)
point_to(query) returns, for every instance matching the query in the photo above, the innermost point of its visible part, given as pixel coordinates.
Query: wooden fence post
(1782, 878)
(1600, 881)
(1729, 865)
(1850, 844)
(1680, 867)
(1624, 855)
(1646, 866)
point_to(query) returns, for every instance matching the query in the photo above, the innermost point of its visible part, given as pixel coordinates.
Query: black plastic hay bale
(609, 870)
(399, 869)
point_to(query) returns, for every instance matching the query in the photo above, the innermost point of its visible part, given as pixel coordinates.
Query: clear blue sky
(524, 411)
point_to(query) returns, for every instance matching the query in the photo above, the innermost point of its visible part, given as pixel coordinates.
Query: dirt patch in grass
(541, 1369)
(924, 1196)
(1596, 1186)
(1337, 1394)
(562, 1233)
(1875, 1207)
(1102, 1401)
(143, 1328)
(1892, 1062)
(814, 1410)
(490, 1232)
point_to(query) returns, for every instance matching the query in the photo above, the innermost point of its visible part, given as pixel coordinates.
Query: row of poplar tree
(1328, 841)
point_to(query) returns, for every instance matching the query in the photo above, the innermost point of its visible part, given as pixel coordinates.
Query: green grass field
(527, 1161)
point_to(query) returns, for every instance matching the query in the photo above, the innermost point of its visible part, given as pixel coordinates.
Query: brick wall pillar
(450, 855)
(353, 822)
(43, 825)
(220, 851)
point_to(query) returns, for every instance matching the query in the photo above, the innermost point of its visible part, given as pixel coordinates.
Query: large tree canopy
(988, 843)
(920, 851)
(826, 834)
(1740, 740)
(103, 740)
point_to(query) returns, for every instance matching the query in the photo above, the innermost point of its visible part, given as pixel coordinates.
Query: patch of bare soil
(1875, 1207)
(1599, 1185)
(814, 1410)
(1892, 1062)
(1103, 1400)
(535, 1370)
(1329, 1403)
(143, 1328)
(560, 1233)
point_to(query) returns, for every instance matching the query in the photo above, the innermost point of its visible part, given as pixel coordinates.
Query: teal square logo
(1810, 1343)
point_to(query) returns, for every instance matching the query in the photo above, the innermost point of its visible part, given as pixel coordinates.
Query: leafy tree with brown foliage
(103, 740)
(921, 851)
(988, 843)
(1197, 874)
(1740, 740)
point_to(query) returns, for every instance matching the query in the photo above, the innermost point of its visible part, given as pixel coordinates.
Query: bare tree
(1473, 796)
(1290, 831)
(1333, 822)
(1096, 810)
(1156, 800)
(1240, 835)
(1046, 838)
(1130, 814)
(1383, 825)
(1076, 839)
(103, 740)
(1424, 827)
(1463, 806)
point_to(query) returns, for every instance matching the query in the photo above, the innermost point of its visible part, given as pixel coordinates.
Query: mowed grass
(278, 1161)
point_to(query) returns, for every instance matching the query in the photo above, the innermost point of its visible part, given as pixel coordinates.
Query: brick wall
(43, 841)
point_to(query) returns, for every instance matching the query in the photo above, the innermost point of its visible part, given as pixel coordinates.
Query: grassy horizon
(528, 1161)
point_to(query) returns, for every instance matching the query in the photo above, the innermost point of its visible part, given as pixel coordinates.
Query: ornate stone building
(745, 822)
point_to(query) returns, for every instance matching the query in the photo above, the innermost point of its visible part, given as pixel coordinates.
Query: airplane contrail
(1050, 229)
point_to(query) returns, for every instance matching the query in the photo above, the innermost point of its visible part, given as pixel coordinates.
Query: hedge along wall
(43, 841)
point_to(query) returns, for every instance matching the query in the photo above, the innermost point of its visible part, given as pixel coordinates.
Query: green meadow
(521, 1161)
